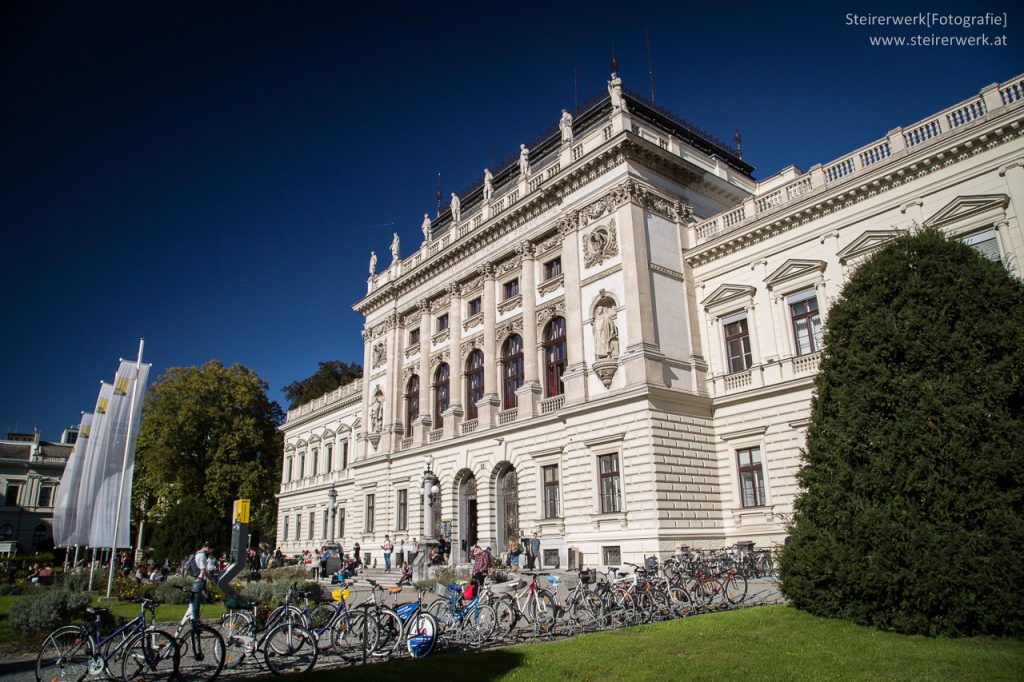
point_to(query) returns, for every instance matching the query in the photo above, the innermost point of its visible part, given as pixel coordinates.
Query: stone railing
(553, 404)
(436, 435)
(406, 443)
(334, 396)
(507, 416)
(469, 426)
(806, 363)
(897, 142)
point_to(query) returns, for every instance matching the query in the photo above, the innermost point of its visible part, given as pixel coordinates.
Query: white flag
(65, 509)
(76, 524)
(108, 471)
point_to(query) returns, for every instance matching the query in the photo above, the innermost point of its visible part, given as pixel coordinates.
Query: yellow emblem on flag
(101, 405)
(84, 431)
(121, 385)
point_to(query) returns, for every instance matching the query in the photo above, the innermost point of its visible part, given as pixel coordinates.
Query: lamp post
(332, 508)
(429, 493)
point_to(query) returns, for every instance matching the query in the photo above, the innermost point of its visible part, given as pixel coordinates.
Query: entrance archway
(467, 515)
(506, 490)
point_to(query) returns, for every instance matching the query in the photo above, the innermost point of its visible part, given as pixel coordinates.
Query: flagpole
(124, 467)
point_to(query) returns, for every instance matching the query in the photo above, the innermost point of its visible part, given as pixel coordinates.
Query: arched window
(412, 403)
(474, 382)
(554, 357)
(442, 385)
(512, 361)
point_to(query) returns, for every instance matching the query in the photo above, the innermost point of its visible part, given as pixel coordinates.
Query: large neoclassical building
(612, 340)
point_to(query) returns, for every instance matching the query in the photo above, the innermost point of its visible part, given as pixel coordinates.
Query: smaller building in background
(30, 472)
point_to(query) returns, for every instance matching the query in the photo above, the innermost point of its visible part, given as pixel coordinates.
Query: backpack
(190, 568)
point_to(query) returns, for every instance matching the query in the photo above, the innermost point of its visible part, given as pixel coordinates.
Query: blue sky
(213, 176)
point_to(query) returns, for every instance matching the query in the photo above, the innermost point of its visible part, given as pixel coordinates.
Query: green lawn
(764, 643)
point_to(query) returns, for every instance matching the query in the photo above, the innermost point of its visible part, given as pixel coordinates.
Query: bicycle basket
(650, 563)
(589, 576)
(553, 580)
(339, 594)
(441, 589)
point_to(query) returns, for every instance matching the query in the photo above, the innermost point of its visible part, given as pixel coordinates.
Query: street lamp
(429, 491)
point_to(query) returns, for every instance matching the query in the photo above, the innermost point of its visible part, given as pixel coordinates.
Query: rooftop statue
(426, 227)
(394, 247)
(524, 161)
(566, 127)
(488, 185)
(373, 263)
(615, 90)
(456, 208)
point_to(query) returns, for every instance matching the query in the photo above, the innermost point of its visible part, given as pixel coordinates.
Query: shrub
(280, 588)
(47, 611)
(287, 574)
(914, 470)
(171, 590)
(79, 582)
(262, 592)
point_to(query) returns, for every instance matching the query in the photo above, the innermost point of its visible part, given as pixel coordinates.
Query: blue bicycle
(461, 615)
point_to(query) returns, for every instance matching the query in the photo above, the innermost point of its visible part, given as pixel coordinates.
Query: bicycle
(76, 651)
(539, 606)
(583, 609)
(201, 648)
(471, 622)
(287, 647)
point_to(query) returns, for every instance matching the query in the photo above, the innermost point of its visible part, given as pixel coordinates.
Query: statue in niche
(606, 333)
(566, 127)
(600, 245)
(395, 245)
(373, 263)
(488, 185)
(377, 413)
(524, 161)
(425, 225)
(456, 206)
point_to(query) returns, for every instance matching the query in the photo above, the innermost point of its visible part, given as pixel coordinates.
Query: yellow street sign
(241, 514)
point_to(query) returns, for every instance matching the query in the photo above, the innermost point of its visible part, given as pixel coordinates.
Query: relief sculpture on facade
(600, 245)
(379, 356)
(606, 339)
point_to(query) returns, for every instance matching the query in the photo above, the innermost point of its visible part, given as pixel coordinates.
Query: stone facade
(30, 472)
(616, 349)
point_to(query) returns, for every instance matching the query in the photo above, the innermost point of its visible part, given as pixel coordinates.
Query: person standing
(481, 566)
(358, 557)
(388, 549)
(200, 572)
(535, 551)
(324, 556)
(414, 549)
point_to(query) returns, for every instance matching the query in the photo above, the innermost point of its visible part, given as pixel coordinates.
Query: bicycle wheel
(506, 616)
(349, 638)
(321, 616)
(581, 614)
(735, 588)
(441, 609)
(202, 654)
(65, 655)
(479, 624)
(624, 610)
(289, 649)
(680, 601)
(237, 631)
(389, 633)
(150, 655)
(421, 634)
(645, 607)
(289, 614)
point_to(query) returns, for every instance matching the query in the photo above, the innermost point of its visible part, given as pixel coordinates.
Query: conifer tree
(911, 515)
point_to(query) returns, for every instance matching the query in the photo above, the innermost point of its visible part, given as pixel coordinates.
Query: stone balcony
(764, 375)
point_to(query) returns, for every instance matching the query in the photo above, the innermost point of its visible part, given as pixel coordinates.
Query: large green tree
(209, 436)
(912, 511)
(330, 375)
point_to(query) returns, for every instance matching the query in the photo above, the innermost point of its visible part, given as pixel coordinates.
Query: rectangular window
(45, 496)
(302, 465)
(737, 344)
(985, 243)
(329, 453)
(403, 509)
(11, 498)
(312, 522)
(475, 306)
(442, 322)
(344, 454)
(340, 530)
(551, 558)
(414, 338)
(298, 526)
(611, 556)
(611, 488)
(313, 468)
(551, 491)
(806, 322)
(553, 268)
(369, 513)
(287, 469)
(510, 289)
(751, 477)
(326, 525)
(284, 535)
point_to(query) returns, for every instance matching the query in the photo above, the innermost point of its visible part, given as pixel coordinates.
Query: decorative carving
(507, 329)
(474, 321)
(600, 245)
(470, 344)
(438, 358)
(553, 284)
(473, 285)
(423, 305)
(453, 288)
(567, 224)
(525, 250)
(606, 204)
(412, 350)
(441, 336)
(379, 356)
(510, 304)
(605, 370)
(377, 413)
(506, 266)
(553, 309)
(486, 270)
(547, 244)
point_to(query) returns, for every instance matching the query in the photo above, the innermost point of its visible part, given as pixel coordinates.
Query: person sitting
(406, 574)
(46, 575)
(155, 575)
(33, 575)
(349, 568)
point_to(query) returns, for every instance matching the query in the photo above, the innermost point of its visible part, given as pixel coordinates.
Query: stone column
(575, 376)
(641, 359)
(394, 422)
(421, 429)
(362, 438)
(490, 404)
(528, 395)
(453, 416)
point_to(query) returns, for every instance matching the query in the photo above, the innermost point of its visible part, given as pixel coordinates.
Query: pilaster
(642, 357)
(575, 378)
(490, 350)
(455, 381)
(528, 399)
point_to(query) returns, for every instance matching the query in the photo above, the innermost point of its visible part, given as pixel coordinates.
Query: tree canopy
(330, 375)
(209, 436)
(912, 514)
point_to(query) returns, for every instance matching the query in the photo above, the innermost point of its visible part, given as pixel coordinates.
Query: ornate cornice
(553, 284)
(510, 304)
(554, 309)
(548, 244)
(473, 321)
(441, 336)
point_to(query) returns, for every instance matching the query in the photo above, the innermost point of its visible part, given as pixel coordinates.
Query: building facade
(612, 340)
(30, 472)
